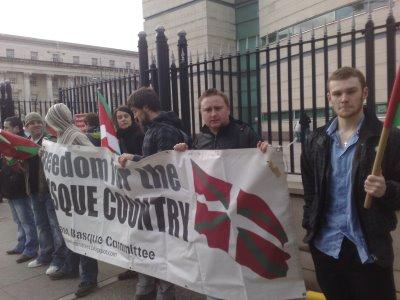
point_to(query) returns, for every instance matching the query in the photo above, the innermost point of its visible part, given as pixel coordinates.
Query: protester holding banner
(163, 132)
(130, 138)
(12, 187)
(351, 246)
(51, 242)
(92, 128)
(59, 117)
(220, 130)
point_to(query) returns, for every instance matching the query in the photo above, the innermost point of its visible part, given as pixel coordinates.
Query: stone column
(27, 86)
(49, 88)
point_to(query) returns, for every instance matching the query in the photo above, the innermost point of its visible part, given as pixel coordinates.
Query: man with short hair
(163, 132)
(92, 128)
(220, 130)
(51, 241)
(12, 186)
(351, 246)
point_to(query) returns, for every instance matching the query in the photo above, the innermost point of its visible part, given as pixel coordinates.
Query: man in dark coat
(163, 131)
(351, 246)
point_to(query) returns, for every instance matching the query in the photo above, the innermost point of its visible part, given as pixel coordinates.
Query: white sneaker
(51, 270)
(34, 264)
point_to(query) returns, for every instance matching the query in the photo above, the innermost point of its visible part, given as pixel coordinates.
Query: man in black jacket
(163, 131)
(220, 130)
(351, 246)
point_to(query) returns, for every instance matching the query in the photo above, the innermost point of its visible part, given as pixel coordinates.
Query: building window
(94, 62)
(10, 53)
(34, 55)
(56, 57)
(112, 63)
(127, 65)
(33, 81)
(75, 59)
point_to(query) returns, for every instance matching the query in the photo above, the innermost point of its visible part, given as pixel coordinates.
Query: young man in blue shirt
(351, 246)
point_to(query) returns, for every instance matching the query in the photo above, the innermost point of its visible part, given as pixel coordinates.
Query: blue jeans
(22, 214)
(89, 267)
(146, 284)
(51, 241)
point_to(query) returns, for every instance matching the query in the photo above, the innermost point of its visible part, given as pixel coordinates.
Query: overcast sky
(106, 23)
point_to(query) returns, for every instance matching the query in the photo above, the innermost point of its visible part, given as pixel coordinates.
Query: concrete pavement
(18, 282)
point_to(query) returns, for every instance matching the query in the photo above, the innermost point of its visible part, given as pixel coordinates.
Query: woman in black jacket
(129, 134)
(130, 137)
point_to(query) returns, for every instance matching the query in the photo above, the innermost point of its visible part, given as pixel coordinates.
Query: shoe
(34, 264)
(85, 288)
(23, 258)
(51, 270)
(60, 274)
(150, 296)
(127, 275)
(12, 252)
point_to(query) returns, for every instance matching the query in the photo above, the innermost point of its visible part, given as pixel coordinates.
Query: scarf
(59, 117)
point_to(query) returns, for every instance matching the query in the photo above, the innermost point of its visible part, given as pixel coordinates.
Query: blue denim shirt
(341, 217)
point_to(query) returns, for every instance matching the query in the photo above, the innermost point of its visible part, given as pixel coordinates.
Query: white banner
(216, 222)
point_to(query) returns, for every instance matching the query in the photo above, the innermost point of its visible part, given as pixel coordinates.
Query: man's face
(141, 115)
(8, 127)
(35, 128)
(214, 112)
(346, 97)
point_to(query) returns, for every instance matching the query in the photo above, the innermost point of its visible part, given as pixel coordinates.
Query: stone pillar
(49, 88)
(27, 86)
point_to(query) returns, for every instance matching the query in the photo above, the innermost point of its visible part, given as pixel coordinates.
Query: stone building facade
(36, 68)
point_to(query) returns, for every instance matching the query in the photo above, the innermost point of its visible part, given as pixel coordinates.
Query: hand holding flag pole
(392, 119)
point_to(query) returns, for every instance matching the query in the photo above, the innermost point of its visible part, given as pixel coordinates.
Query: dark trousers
(347, 278)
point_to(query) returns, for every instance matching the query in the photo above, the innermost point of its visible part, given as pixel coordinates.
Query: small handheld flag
(108, 135)
(16, 146)
(392, 119)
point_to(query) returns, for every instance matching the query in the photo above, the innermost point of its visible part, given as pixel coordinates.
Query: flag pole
(390, 114)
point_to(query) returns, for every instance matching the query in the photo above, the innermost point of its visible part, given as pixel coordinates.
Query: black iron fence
(269, 87)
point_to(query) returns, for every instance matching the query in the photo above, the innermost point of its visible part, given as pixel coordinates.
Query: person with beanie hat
(51, 242)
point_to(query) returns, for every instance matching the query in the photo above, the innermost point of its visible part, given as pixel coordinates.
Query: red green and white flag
(17, 147)
(108, 135)
(393, 112)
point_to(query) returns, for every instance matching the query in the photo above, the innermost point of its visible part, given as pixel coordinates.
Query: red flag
(16, 146)
(214, 225)
(255, 209)
(260, 255)
(108, 135)
(393, 112)
(212, 188)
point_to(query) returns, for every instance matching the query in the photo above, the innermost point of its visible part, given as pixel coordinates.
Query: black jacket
(235, 135)
(131, 139)
(376, 222)
(163, 133)
(12, 181)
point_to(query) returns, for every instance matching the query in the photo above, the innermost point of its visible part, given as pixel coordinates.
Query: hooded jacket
(376, 222)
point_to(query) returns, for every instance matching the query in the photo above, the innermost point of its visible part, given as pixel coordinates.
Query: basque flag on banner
(251, 250)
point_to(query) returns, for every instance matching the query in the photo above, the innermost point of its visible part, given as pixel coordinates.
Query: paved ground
(17, 282)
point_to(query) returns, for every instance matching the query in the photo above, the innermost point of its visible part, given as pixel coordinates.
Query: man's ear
(365, 93)
(328, 95)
